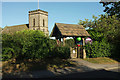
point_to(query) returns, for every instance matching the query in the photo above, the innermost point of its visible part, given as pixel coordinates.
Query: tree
(26, 44)
(112, 8)
(89, 23)
(108, 25)
(105, 30)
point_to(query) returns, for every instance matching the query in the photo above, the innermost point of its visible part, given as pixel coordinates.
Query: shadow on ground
(39, 74)
(79, 71)
(33, 68)
(93, 74)
(117, 59)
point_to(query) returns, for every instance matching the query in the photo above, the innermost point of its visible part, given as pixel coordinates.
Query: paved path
(97, 66)
(85, 66)
(93, 75)
(92, 71)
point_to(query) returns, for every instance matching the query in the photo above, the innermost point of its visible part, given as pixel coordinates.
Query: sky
(54, 0)
(16, 13)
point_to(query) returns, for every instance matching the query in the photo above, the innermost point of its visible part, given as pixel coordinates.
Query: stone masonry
(38, 20)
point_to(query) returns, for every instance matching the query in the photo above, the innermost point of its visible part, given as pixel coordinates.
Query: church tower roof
(38, 10)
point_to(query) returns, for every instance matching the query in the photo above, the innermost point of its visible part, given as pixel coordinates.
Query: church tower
(38, 20)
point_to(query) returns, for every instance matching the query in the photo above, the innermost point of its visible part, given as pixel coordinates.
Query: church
(38, 20)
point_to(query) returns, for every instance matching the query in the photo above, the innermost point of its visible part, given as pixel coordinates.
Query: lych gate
(61, 30)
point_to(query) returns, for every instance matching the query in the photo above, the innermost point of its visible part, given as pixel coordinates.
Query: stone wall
(38, 20)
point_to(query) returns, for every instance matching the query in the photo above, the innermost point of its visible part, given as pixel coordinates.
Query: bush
(28, 44)
(62, 52)
(70, 43)
(115, 50)
(7, 53)
(98, 49)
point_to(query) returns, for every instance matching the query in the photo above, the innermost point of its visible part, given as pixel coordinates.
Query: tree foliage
(106, 33)
(112, 8)
(31, 44)
(70, 43)
(98, 49)
(109, 26)
(89, 23)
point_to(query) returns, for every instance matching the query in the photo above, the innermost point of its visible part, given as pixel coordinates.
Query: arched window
(33, 22)
(43, 22)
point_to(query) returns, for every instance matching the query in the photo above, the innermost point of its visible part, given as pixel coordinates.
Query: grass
(102, 60)
(13, 66)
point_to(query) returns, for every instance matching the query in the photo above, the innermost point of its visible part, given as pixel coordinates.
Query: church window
(43, 22)
(33, 22)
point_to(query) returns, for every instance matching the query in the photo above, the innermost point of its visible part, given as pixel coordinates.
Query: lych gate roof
(68, 30)
(12, 29)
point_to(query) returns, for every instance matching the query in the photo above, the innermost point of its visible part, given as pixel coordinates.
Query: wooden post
(78, 52)
(57, 40)
(63, 41)
(73, 52)
(60, 41)
(84, 53)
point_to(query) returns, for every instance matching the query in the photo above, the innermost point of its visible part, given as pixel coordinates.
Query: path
(82, 69)
(97, 66)
(91, 70)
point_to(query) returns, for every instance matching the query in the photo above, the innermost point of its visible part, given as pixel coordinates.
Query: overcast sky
(16, 13)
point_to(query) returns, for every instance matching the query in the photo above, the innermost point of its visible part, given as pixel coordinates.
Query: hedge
(98, 49)
(30, 44)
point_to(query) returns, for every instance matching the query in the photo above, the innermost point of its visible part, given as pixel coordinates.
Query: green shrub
(70, 43)
(98, 49)
(28, 44)
(62, 52)
(7, 53)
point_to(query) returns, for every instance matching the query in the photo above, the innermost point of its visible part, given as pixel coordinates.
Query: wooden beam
(64, 41)
(84, 53)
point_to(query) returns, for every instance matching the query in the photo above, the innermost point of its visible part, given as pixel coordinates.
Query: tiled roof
(12, 29)
(69, 30)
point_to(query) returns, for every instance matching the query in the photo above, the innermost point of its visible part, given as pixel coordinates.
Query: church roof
(38, 10)
(68, 30)
(12, 29)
